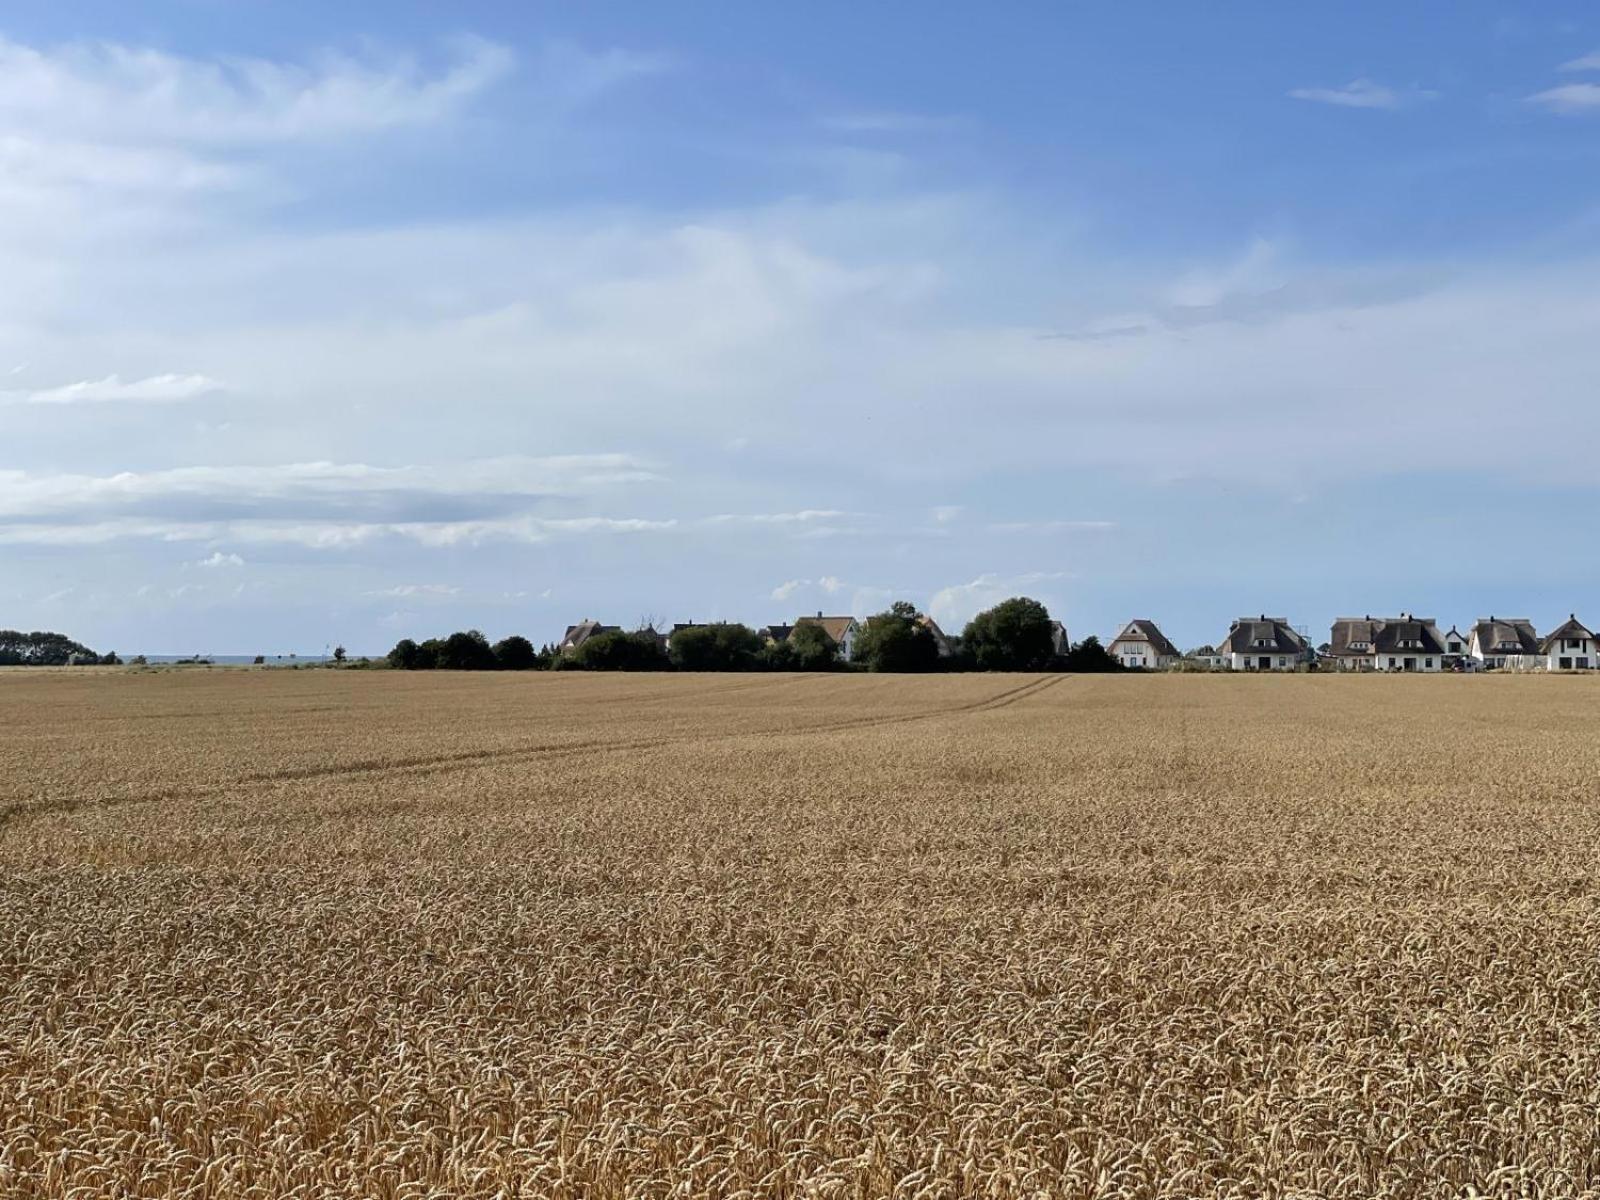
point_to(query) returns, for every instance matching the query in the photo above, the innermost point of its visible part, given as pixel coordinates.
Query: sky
(343, 323)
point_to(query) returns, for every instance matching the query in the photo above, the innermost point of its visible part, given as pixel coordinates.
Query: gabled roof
(1349, 630)
(1141, 630)
(940, 639)
(1573, 628)
(1276, 631)
(834, 627)
(776, 633)
(580, 633)
(1492, 632)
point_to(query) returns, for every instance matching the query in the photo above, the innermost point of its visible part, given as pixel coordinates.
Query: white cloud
(803, 517)
(1051, 526)
(1569, 98)
(1588, 62)
(957, 604)
(830, 584)
(157, 389)
(219, 559)
(788, 588)
(944, 514)
(405, 590)
(1362, 93)
(106, 92)
(322, 504)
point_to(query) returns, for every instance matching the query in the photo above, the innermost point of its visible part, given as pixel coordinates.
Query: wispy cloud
(1588, 62)
(157, 389)
(892, 123)
(1569, 98)
(104, 91)
(219, 559)
(406, 590)
(957, 604)
(1050, 526)
(1363, 93)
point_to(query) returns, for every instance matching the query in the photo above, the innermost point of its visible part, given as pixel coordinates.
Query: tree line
(1014, 635)
(43, 649)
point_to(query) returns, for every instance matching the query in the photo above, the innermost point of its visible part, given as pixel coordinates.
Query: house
(1507, 643)
(842, 630)
(1060, 643)
(1409, 643)
(1571, 648)
(1207, 656)
(946, 645)
(774, 633)
(1403, 643)
(1455, 643)
(1263, 644)
(1142, 646)
(580, 633)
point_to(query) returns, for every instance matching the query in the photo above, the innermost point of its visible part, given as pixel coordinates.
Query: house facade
(1571, 647)
(842, 630)
(1403, 643)
(1263, 644)
(1141, 646)
(1505, 643)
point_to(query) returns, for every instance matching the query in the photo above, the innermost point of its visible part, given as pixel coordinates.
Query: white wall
(1133, 654)
(1247, 662)
(1586, 650)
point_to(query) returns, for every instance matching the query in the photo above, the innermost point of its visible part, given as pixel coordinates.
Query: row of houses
(841, 631)
(1263, 643)
(1403, 643)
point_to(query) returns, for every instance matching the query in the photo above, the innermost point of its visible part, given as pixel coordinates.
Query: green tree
(1014, 635)
(408, 656)
(716, 648)
(515, 653)
(1089, 655)
(468, 651)
(895, 641)
(338, 654)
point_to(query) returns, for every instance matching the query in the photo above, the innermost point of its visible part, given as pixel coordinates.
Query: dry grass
(370, 935)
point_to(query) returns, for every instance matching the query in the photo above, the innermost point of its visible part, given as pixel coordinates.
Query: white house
(1455, 643)
(1141, 646)
(1507, 643)
(1403, 643)
(1263, 644)
(1571, 648)
(842, 630)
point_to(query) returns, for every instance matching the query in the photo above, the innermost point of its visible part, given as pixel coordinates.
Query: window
(1428, 662)
(1455, 647)
(1391, 662)
(1281, 662)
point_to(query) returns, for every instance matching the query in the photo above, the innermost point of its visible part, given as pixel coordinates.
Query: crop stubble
(369, 934)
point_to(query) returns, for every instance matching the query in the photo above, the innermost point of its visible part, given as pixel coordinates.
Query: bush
(895, 641)
(515, 653)
(716, 648)
(1014, 635)
(618, 651)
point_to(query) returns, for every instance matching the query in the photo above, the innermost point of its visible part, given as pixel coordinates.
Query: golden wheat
(318, 934)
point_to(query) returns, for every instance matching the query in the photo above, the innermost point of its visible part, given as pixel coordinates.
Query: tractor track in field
(433, 764)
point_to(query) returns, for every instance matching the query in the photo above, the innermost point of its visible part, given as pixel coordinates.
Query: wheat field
(366, 934)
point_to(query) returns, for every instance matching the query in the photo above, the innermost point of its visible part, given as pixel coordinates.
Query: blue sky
(397, 318)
